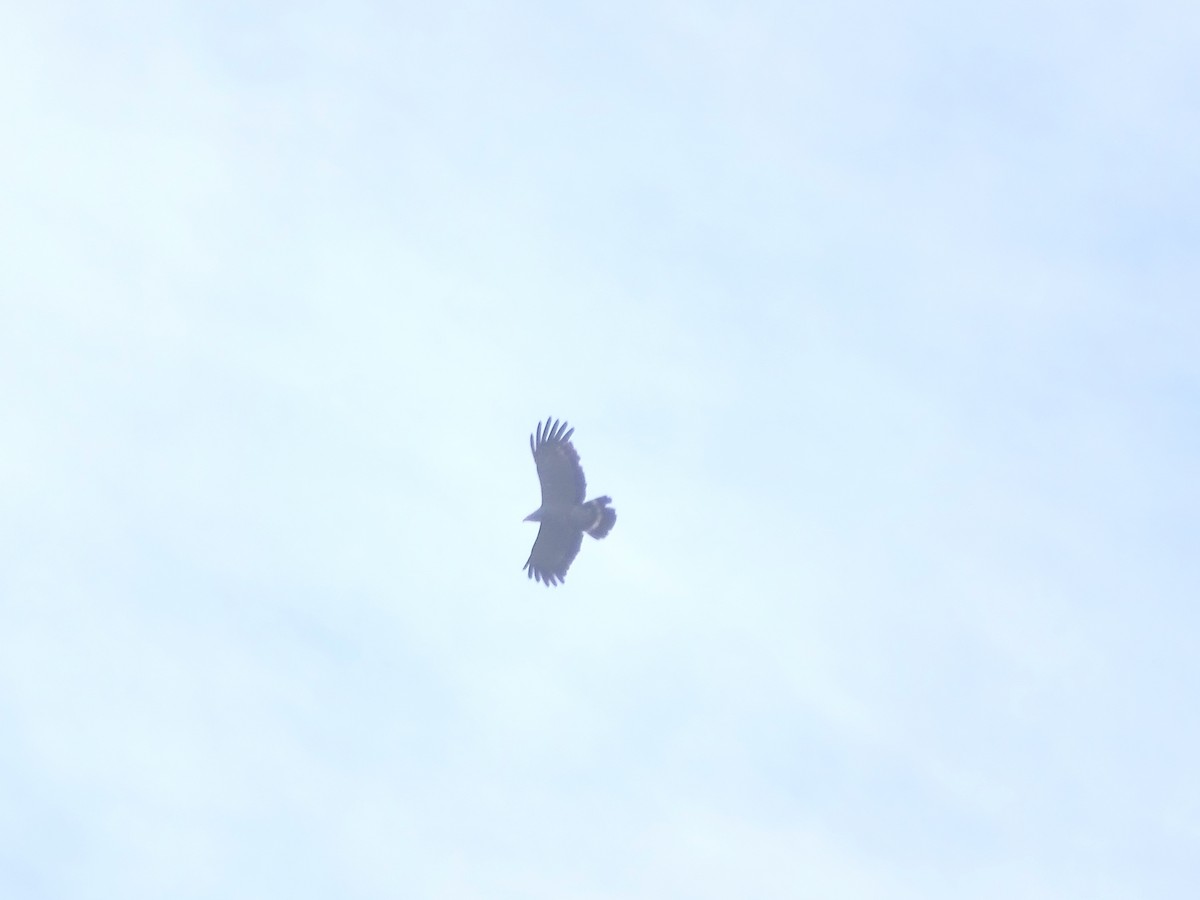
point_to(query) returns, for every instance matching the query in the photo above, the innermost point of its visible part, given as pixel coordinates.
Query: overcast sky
(878, 322)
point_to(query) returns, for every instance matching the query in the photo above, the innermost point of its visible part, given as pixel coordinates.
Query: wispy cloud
(878, 325)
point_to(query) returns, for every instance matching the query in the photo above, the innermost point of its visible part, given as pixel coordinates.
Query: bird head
(535, 516)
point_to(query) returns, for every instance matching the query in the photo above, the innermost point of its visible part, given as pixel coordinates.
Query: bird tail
(602, 517)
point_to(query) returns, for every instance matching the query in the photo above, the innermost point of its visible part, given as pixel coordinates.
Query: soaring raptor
(564, 516)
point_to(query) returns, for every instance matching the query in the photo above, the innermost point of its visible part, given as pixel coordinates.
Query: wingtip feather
(551, 431)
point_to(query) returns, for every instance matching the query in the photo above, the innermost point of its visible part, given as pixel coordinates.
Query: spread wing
(558, 467)
(553, 551)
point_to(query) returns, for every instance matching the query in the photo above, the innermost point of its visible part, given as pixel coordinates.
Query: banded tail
(601, 517)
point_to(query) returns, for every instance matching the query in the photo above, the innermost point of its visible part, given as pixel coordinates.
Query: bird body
(564, 516)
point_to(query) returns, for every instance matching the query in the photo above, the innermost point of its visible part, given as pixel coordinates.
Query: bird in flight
(564, 516)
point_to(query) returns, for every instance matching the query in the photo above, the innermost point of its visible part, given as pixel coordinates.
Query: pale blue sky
(879, 324)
